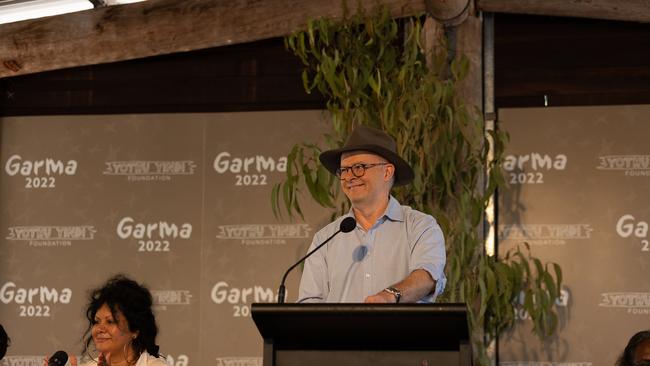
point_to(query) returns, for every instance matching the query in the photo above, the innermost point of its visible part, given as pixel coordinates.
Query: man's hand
(413, 288)
(381, 297)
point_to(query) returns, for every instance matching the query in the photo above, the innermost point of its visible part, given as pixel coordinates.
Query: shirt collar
(393, 211)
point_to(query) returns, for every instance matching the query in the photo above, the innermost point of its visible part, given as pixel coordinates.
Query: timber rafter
(625, 10)
(158, 27)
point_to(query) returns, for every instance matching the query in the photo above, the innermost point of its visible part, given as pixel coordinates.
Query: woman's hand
(72, 359)
(104, 359)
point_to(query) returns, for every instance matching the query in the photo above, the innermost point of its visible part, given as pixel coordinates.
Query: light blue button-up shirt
(358, 264)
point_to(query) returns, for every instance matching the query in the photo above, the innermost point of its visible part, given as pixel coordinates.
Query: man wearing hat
(395, 254)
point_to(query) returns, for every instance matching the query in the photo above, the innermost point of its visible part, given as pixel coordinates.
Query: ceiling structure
(18, 10)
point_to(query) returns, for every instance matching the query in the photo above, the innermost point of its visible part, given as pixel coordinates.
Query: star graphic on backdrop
(223, 261)
(9, 145)
(145, 212)
(584, 143)
(95, 149)
(26, 215)
(611, 212)
(12, 261)
(66, 138)
(643, 261)
(164, 284)
(42, 254)
(563, 142)
(112, 216)
(80, 185)
(99, 185)
(133, 199)
(41, 271)
(606, 147)
(138, 260)
(89, 199)
(81, 213)
(137, 124)
(113, 152)
(631, 197)
(171, 257)
(591, 181)
(574, 124)
(631, 115)
(54, 338)
(17, 276)
(74, 149)
(60, 199)
(188, 325)
(84, 130)
(600, 121)
(103, 254)
(79, 268)
(9, 207)
(110, 127)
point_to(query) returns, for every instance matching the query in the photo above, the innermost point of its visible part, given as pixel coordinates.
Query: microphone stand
(282, 289)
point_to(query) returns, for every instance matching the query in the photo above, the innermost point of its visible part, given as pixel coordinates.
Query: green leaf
(373, 70)
(275, 202)
(558, 275)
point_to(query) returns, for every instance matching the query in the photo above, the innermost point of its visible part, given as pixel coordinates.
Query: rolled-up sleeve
(428, 252)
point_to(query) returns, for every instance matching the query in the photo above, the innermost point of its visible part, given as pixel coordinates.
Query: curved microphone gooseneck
(348, 224)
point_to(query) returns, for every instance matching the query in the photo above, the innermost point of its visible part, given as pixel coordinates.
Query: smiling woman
(121, 326)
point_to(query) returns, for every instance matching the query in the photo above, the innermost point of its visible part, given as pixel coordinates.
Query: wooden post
(469, 42)
(434, 39)
(448, 12)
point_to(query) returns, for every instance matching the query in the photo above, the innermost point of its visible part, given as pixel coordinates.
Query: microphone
(59, 358)
(348, 224)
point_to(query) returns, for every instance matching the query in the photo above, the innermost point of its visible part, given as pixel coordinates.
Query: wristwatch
(395, 292)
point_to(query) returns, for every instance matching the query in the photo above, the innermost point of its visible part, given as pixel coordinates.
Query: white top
(145, 360)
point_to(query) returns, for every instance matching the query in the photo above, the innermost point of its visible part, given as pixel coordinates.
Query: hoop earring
(124, 352)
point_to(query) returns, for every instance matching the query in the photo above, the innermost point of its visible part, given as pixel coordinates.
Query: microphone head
(348, 224)
(59, 358)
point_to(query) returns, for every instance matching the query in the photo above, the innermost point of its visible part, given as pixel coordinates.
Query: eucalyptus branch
(373, 70)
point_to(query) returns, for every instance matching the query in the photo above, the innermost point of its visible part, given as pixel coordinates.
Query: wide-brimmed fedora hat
(375, 141)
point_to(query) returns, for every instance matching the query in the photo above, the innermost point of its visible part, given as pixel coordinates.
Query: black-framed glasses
(358, 170)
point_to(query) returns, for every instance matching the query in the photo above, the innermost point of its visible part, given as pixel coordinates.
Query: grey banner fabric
(578, 194)
(180, 202)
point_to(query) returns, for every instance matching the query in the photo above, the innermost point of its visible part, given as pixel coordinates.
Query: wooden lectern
(363, 334)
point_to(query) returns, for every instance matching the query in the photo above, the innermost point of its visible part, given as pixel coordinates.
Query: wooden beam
(626, 10)
(469, 42)
(448, 12)
(157, 27)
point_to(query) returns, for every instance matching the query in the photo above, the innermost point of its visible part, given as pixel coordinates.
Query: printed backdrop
(579, 194)
(181, 202)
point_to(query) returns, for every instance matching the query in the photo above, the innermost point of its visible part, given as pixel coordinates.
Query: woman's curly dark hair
(134, 301)
(4, 342)
(627, 358)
